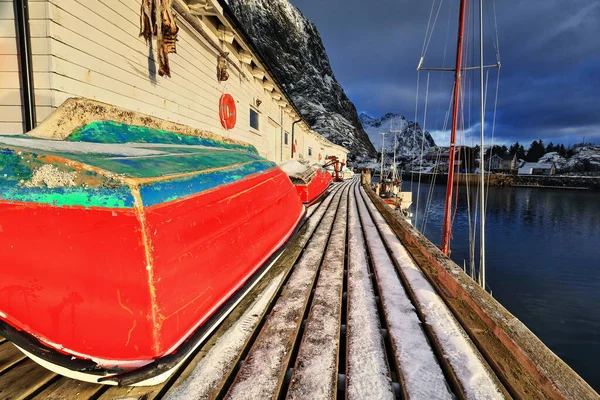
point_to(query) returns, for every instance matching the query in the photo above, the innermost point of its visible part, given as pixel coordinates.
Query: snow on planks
(263, 372)
(368, 375)
(420, 373)
(475, 377)
(316, 367)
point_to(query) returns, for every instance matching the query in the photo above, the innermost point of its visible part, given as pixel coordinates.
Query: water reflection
(543, 250)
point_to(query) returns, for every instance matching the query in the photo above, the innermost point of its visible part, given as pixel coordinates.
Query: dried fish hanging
(156, 19)
(222, 73)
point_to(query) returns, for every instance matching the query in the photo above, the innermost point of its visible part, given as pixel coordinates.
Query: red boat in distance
(335, 168)
(123, 246)
(311, 182)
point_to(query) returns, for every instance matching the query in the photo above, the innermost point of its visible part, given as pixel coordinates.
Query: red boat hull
(315, 189)
(130, 284)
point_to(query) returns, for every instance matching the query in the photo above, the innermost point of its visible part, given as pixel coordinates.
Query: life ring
(294, 145)
(227, 111)
(320, 157)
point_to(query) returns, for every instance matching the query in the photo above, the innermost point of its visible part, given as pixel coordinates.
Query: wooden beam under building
(226, 34)
(258, 73)
(245, 57)
(204, 7)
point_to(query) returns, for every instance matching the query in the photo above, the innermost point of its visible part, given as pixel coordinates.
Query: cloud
(549, 50)
(571, 23)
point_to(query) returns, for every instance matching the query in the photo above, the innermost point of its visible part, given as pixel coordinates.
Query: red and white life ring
(227, 112)
(294, 145)
(320, 157)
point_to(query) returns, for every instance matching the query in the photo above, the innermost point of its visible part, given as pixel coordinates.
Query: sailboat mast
(382, 156)
(455, 104)
(481, 164)
(395, 173)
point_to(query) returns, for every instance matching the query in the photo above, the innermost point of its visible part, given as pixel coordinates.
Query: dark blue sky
(549, 50)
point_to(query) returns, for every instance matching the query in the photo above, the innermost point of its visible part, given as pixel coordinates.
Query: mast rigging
(457, 77)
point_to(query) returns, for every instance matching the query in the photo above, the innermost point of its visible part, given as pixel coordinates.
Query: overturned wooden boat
(311, 182)
(123, 246)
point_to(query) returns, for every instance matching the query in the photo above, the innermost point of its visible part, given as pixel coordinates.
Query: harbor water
(542, 263)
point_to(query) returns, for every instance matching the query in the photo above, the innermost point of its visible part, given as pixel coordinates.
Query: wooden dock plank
(367, 371)
(9, 356)
(66, 388)
(23, 380)
(204, 378)
(421, 375)
(132, 393)
(193, 379)
(262, 374)
(475, 377)
(316, 367)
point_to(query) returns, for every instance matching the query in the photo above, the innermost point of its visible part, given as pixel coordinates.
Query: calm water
(543, 263)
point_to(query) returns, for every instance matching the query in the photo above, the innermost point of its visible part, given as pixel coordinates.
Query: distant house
(495, 162)
(438, 156)
(441, 158)
(506, 164)
(509, 162)
(530, 168)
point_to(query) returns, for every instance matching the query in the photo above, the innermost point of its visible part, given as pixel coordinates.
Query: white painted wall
(92, 49)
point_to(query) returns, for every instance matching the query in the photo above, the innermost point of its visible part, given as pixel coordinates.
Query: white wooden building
(531, 168)
(92, 49)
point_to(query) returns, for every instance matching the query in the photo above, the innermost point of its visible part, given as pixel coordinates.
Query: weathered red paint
(78, 278)
(74, 277)
(313, 190)
(390, 202)
(233, 232)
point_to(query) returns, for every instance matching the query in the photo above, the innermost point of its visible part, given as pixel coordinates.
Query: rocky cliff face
(292, 47)
(410, 138)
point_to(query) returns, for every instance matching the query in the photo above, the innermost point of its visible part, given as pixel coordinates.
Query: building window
(285, 138)
(254, 119)
(310, 151)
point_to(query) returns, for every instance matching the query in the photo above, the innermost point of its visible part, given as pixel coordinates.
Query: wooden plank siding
(11, 114)
(92, 49)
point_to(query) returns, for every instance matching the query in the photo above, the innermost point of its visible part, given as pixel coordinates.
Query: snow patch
(467, 364)
(217, 362)
(258, 378)
(293, 167)
(315, 373)
(423, 377)
(368, 376)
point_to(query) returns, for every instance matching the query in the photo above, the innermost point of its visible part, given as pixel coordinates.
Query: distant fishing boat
(121, 246)
(311, 182)
(335, 167)
(389, 187)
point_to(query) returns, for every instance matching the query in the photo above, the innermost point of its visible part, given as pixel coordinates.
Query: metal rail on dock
(344, 312)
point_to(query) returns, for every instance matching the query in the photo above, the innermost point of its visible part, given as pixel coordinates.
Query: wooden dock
(344, 312)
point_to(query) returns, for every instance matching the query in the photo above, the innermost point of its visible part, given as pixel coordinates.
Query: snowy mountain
(292, 47)
(410, 137)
